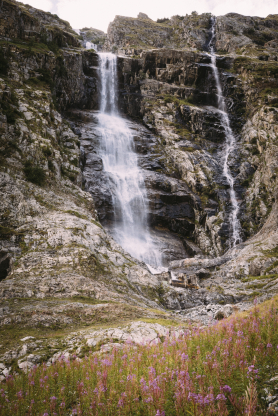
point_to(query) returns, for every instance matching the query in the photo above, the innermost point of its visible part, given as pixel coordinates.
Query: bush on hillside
(34, 173)
(165, 19)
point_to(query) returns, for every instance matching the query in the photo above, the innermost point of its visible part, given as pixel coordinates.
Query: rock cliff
(60, 270)
(173, 91)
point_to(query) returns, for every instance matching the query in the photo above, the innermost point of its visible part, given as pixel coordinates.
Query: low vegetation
(220, 370)
(34, 173)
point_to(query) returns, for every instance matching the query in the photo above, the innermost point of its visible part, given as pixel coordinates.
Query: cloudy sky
(98, 14)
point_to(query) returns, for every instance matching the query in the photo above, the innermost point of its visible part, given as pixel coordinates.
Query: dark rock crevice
(5, 264)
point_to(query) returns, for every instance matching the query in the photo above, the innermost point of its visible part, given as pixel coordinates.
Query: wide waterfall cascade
(230, 144)
(130, 226)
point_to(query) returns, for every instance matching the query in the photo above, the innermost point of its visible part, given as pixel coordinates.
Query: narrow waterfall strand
(229, 145)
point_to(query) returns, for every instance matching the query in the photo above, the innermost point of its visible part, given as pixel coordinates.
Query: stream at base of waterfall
(130, 226)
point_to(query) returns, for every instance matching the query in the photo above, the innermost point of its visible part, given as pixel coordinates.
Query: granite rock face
(20, 21)
(42, 47)
(130, 36)
(235, 32)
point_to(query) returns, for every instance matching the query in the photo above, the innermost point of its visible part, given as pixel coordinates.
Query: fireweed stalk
(219, 371)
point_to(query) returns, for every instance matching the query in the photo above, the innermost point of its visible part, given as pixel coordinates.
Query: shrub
(258, 37)
(44, 79)
(247, 181)
(47, 151)
(168, 100)
(34, 173)
(255, 151)
(142, 75)
(45, 76)
(68, 174)
(165, 19)
(53, 46)
(9, 104)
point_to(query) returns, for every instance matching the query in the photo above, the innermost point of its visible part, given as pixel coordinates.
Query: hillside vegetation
(227, 369)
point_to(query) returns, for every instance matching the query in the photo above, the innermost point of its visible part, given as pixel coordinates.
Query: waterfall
(130, 225)
(87, 45)
(230, 144)
(90, 45)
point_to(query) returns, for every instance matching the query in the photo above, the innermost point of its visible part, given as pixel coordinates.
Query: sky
(98, 14)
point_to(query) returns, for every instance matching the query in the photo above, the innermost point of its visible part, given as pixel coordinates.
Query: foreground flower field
(221, 370)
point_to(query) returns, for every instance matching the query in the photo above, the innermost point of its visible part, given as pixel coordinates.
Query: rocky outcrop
(236, 32)
(44, 49)
(64, 73)
(130, 36)
(20, 21)
(32, 350)
(94, 36)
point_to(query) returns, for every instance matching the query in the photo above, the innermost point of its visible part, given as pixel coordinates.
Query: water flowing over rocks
(190, 134)
(62, 274)
(229, 148)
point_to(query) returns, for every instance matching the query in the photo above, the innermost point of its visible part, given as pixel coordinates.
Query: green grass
(247, 181)
(177, 101)
(43, 202)
(219, 221)
(30, 48)
(275, 264)
(263, 277)
(76, 214)
(256, 285)
(271, 253)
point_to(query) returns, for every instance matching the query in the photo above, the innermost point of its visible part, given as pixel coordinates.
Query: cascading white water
(130, 225)
(229, 145)
(90, 45)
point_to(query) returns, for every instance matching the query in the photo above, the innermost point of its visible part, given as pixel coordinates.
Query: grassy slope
(221, 370)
